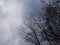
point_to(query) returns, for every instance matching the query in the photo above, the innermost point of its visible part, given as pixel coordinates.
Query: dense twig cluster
(45, 25)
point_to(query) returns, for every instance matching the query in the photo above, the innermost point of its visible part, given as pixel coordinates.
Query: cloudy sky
(11, 13)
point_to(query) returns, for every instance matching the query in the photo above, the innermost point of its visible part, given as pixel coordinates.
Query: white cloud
(11, 11)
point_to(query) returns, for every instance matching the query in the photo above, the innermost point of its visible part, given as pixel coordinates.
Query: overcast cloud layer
(11, 13)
